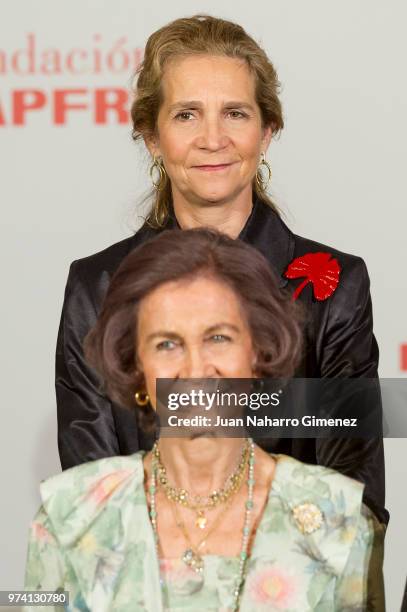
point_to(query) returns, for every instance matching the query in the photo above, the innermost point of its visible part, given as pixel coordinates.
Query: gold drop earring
(261, 182)
(142, 398)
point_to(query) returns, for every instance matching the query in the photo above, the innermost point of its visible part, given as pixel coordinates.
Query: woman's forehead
(201, 76)
(203, 298)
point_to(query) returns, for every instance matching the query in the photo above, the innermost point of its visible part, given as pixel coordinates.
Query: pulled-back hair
(111, 346)
(200, 35)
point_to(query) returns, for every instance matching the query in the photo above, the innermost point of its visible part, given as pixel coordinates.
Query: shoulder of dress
(73, 499)
(323, 507)
(321, 481)
(98, 515)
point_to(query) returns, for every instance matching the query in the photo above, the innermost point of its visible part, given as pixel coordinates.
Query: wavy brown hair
(198, 35)
(173, 255)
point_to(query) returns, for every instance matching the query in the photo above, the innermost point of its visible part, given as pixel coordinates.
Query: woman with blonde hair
(206, 106)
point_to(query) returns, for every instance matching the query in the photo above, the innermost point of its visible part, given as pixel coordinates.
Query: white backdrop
(69, 189)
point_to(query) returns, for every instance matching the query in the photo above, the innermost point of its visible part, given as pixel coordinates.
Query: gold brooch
(308, 517)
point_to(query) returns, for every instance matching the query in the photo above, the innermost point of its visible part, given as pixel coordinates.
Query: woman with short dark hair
(273, 318)
(200, 522)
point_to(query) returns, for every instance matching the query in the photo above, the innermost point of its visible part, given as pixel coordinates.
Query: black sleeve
(350, 350)
(86, 427)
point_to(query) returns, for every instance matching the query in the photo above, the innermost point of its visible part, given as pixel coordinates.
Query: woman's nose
(197, 365)
(213, 136)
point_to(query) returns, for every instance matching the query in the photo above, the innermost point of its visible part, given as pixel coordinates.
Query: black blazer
(339, 343)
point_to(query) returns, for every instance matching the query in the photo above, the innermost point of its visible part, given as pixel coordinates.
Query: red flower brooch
(320, 269)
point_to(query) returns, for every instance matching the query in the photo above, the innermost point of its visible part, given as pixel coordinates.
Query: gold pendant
(201, 521)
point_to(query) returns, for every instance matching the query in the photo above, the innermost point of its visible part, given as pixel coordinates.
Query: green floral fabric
(92, 537)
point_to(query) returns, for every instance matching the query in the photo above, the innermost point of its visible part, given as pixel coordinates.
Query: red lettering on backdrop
(403, 357)
(51, 62)
(117, 104)
(2, 119)
(70, 61)
(97, 59)
(61, 104)
(28, 54)
(26, 100)
(118, 59)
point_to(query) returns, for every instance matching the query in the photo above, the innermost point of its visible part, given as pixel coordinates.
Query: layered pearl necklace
(246, 526)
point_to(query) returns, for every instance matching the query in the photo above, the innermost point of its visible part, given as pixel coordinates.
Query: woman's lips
(212, 167)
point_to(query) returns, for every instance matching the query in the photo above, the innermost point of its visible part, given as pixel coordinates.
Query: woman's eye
(220, 338)
(165, 345)
(235, 114)
(184, 115)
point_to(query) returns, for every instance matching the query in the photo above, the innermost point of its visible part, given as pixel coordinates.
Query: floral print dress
(92, 537)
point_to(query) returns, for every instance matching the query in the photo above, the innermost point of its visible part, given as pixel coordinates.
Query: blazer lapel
(268, 234)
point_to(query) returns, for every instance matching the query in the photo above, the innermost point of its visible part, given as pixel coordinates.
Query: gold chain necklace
(198, 503)
(191, 556)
